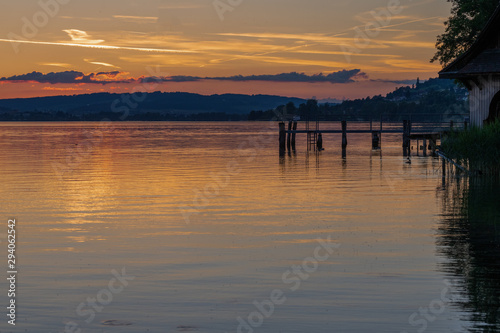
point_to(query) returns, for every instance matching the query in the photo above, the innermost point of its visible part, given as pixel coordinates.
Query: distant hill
(433, 100)
(176, 104)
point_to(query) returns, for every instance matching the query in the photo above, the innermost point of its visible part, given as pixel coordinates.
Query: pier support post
(289, 136)
(425, 147)
(319, 142)
(282, 138)
(406, 138)
(433, 144)
(293, 135)
(344, 139)
(375, 140)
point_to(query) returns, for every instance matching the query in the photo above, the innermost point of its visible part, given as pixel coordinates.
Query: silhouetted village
(435, 96)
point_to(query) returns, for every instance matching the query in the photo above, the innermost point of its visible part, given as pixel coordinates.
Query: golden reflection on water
(122, 201)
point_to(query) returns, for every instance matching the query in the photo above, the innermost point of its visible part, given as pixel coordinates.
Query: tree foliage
(468, 18)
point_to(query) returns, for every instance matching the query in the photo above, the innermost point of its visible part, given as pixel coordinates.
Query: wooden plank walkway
(417, 131)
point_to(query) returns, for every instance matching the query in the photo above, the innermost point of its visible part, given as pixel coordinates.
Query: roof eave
(448, 75)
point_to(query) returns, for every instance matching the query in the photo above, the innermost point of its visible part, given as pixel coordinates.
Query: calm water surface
(212, 225)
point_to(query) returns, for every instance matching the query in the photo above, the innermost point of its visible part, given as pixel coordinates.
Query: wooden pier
(426, 135)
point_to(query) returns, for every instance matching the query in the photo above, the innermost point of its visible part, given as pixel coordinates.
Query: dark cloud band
(69, 77)
(343, 76)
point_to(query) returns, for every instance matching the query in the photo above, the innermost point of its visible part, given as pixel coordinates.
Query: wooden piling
(453, 163)
(344, 139)
(433, 143)
(344, 134)
(319, 142)
(425, 147)
(376, 139)
(293, 135)
(289, 136)
(406, 138)
(282, 138)
(444, 167)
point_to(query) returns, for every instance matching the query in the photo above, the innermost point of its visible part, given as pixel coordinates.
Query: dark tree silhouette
(468, 18)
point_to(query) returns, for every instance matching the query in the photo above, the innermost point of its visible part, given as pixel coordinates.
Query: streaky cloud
(94, 46)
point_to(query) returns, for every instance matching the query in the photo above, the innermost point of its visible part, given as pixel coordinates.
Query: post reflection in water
(469, 239)
(290, 159)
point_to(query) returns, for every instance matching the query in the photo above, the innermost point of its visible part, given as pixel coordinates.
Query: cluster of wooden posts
(429, 140)
(426, 140)
(452, 163)
(426, 136)
(287, 139)
(290, 138)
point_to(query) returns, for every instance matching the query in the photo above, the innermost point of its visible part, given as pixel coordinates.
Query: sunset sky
(55, 47)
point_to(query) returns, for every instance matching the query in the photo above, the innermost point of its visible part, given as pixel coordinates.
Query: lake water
(170, 227)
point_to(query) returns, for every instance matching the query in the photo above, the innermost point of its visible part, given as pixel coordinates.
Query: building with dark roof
(479, 70)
